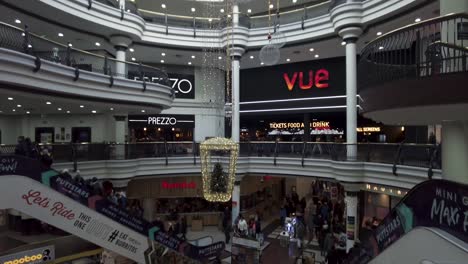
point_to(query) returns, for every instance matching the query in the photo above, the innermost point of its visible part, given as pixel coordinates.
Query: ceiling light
(133, 59)
(163, 6)
(143, 110)
(189, 63)
(93, 111)
(222, 10)
(48, 103)
(311, 49)
(131, 49)
(10, 98)
(60, 34)
(316, 55)
(249, 11)
(29, 46)
(343, 43)
(379, 33)
(14, 110)
(60, 109)
(288, 60)
(220, 58)
(271, 6)
(98, 44)
(417, 20)
(294, 1)
(163, 54)
(251, 57)
(192, 9)
(70, 45)
(229, 15)
(193, 56)
(23, 34)
(210, 19)
(112, 109)
(68, 112)
(17, 21)
(18, 105)
(27, 112)
(381, 48)
(261, 63)
(162, 61)
(81, 106)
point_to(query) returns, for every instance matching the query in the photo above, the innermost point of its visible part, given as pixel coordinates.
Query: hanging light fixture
(270, 54)
(218, 166)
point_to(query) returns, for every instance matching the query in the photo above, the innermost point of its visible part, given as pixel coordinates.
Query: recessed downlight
(133, 59)
(271, 6)
(70, 45)
(29, 46)
(288, 59)
(379, 33)
(311, 49)
(131, 50)
(417, 20)
(81, 106)
(193, 56)
(193, 9)
(59, 109)
(112, 109)
(343, 43)
(68, 111)
(143, 110)
(163, 54)
(294, 1)
(261, 63)
(48, 103)
(27, 112)
(14, 110)
(60, 34)
(220, 58)
(210, 19)
(221, 10)
(18, 105)
(162, 61)
(93, 111)
(10, 98)
(97, 44)
(251, 57)
(17, 21)
(381, 48)
(189, 63)
(249, 11)
(316, 56)
(163, 6)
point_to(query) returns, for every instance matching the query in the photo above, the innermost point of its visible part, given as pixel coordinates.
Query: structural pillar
(121, 44)
(351, 202)
(236, 200)
(149, 209)
(120, 126)
(350, 36)
(122, 4)
(455, 151)
(235, 80)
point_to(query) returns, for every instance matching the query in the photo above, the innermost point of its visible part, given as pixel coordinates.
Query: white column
(122, 4)
(120, 125)
(235, 100)
(235, 201)
(453, 6)
(235, 15)
(120, 56)
(351, 100)
(351, 201)
(455, 151)
(149, 208)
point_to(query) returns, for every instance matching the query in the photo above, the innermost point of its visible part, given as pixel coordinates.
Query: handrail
(54, 51)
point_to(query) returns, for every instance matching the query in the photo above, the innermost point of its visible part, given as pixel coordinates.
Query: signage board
(300, 125)
(368, 129)
(161, 120)
(183, 84)
(178, 185)
(311, 84)
(33, 256)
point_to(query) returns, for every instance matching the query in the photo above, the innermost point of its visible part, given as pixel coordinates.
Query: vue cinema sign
(307, 80)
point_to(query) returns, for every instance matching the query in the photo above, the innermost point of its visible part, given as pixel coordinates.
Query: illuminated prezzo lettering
(162, 120)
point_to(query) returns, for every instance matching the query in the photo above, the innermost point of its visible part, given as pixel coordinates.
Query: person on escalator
(20, 148)
(46, 159)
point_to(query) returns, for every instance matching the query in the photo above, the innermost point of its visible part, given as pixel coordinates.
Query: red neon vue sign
(320, 78)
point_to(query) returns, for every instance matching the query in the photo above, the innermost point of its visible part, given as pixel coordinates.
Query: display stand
(245, 250)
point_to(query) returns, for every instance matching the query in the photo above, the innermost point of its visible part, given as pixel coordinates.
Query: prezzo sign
(319, 79)
(162, 120)
(37, 255)
(183, 84)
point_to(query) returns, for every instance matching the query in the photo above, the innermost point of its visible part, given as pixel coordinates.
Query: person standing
(227, 224)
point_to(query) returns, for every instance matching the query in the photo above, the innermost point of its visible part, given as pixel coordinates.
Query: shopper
(46, 159)
(283, 215)
(258, 229)
(242, 226)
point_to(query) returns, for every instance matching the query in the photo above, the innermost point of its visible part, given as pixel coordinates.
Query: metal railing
(24, 41)
(418, 155)
(428, 48)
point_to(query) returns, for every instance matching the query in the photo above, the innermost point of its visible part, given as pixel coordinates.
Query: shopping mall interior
(234, 131)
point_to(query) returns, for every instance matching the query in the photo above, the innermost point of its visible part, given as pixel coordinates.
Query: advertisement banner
(121, 216)
(41, 202)
(183, 84)
(435, 203)
(20, 165)
(70, 188)
(33, 256)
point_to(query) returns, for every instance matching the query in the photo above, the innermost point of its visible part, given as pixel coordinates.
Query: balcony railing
(20, 40)
(428, 48)
(418, 155)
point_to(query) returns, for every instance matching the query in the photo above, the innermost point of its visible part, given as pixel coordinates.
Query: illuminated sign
(38, 255)
(162, 120)
(179, 185)
(368, 129)
(386, 190)
(319, 79)
(316, 125)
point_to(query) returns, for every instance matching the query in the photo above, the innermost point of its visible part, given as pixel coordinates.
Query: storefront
(150, 128)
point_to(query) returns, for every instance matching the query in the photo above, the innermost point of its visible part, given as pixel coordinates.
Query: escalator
(53, 198)
(433, 216)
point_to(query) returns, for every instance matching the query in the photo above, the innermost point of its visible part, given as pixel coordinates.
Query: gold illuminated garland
(206, 147)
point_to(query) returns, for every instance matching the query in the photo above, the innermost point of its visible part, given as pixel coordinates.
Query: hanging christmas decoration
(270, 53)
(218, 166)
(278, 38)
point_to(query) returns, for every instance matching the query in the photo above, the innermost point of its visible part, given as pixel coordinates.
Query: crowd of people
(25, 147)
